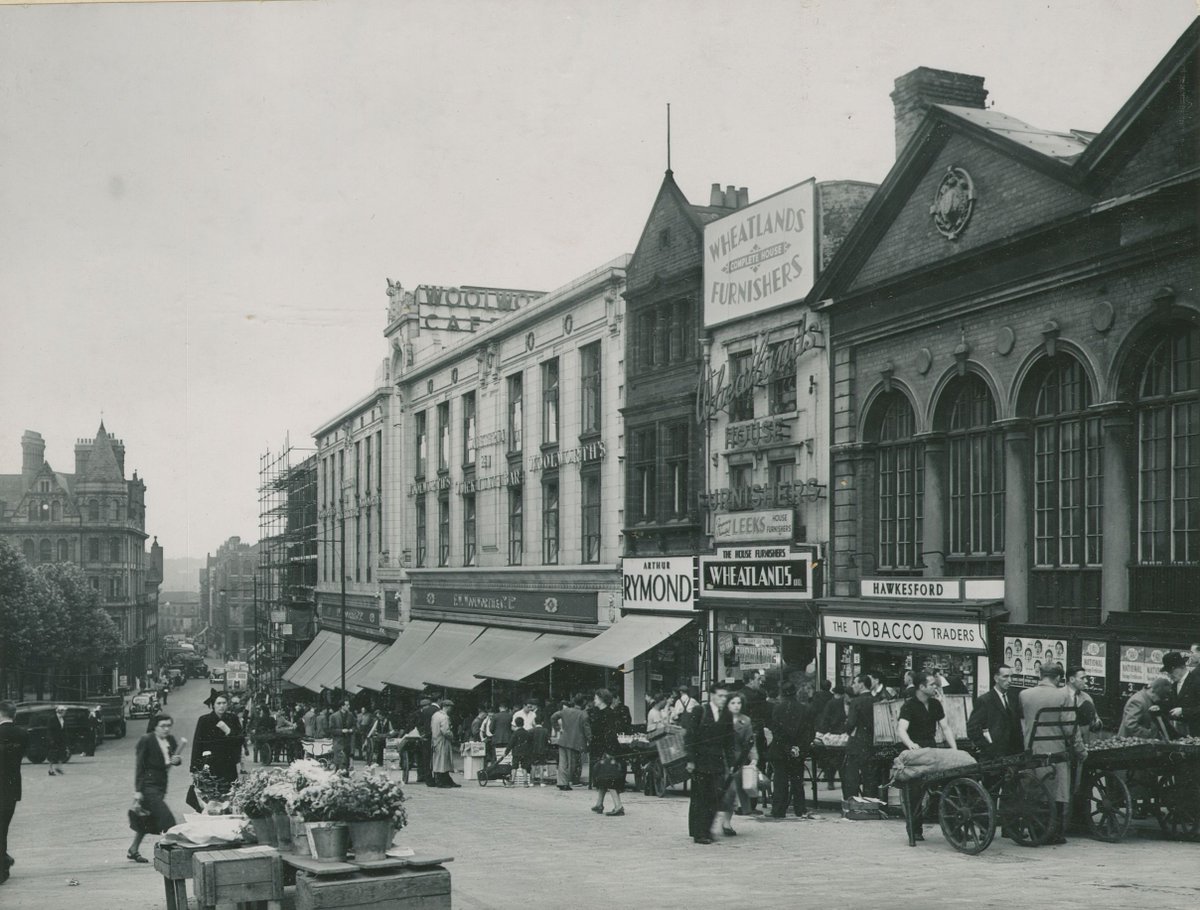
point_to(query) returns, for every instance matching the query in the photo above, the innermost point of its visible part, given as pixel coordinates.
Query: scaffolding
(287, 566)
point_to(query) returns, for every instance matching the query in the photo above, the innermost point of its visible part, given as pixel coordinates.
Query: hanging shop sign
(555, 606)
(907, 632)
(757, 573)
(772, 360)
(1094, 660)
(1027, 656)
(912, 588)
(593, 451)
(763, 496)
(746, 527)
(760, 256)
(662, 583)
(491, 482)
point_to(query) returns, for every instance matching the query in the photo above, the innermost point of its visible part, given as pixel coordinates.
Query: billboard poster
(1027, 655)
(761, 256)
(1094, 660)
(1140, 666)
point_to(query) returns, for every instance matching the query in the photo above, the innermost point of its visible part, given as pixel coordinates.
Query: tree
(84, 633)
(18, 590)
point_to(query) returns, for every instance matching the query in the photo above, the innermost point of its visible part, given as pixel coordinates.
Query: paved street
(535, 848)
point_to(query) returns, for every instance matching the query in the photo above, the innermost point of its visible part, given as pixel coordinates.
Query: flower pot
(264, 830)
(283, 830)
(330, 840)
(370, 840)
(299, 836)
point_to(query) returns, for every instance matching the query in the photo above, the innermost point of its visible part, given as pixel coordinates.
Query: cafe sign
(498, 603)
(660, 583)
(757, 573)
(905, 632)
(746, 527)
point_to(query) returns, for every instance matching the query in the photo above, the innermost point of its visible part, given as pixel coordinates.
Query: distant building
(96, 519)
(227, 597)
(179, 613)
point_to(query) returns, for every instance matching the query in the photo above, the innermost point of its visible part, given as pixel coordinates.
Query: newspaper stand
(671, 766)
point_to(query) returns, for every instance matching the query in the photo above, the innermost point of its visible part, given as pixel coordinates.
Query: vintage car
(35, 717)
(144, 704)
(112, 714)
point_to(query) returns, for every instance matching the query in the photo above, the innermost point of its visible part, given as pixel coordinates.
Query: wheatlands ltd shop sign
(662, 583)
(757, 573)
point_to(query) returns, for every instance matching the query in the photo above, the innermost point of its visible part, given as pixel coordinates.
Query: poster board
(1026, 656)
(1094, 660)
(1140, 665)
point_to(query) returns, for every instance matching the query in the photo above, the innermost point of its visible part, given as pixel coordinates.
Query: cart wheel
(656, 780)
(1108, 806)
(1177, 804)
(967, 816)
(1027, 809)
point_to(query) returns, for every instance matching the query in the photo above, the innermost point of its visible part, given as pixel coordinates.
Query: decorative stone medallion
(953, 203)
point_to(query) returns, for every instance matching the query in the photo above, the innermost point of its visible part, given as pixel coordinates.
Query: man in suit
(995, 725)
(342, 724)
(792, 731)
(575, 731)
(1057, 733)
(860, 776)
(1184, 671)
(13, 742)
(501, 730)
(60, 747)
(1142, 714)
(708, 736)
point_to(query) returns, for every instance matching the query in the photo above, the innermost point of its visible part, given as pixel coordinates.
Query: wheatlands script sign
(761, 256)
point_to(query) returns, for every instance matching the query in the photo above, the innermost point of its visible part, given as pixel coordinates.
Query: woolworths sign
(661, 583)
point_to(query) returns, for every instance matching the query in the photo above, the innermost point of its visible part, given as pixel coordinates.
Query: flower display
(369, 796)
(261, 793)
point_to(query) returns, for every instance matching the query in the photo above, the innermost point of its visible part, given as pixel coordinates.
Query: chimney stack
(917, 90)
(33, 454)
(715, 196)
(743, 197)
(731, 197)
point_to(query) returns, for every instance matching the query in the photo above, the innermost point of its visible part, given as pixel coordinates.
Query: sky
(201, 203)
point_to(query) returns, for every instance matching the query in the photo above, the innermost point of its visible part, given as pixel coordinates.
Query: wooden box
(669, 740)
(887, 716)
(407, 889)
(234, 876)
(174, 860)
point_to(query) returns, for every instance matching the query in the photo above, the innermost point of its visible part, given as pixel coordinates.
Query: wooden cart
(1154, 778)
(669, 766)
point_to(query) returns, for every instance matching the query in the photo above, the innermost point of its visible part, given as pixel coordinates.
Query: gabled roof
(102, 462)
(696, 215)
(1074, 157)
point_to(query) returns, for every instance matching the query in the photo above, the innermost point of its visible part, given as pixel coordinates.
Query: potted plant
(249, 795)
(286, 789)
(372, 804)
(318, 804)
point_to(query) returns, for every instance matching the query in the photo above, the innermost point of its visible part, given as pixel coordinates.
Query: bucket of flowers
(372, 804)
(249, 795)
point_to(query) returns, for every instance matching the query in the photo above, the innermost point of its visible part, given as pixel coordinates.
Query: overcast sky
(200, 203)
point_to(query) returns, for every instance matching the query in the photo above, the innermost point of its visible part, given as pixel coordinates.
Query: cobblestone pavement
(542, 848)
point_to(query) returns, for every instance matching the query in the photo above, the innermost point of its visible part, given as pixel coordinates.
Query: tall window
(468, 428)
(1067, 473)
(550, 402)
(93, 549)
(62, 551)
(422, 444)
(550, 521)
(367, 465)
(114, 549)
(357, 469)
(741, 406)
(93, 510)
(443, 530)
(740, 476)
(422, 532)
(643, 491)
(45, 551)
(781, 393)
(1168, 419)
(443, 416)
(516, 420)
(589, 388)
(975, 451)
(56, 511)
(676, 464)
(901, 487)
(665, 334)
(782, 472)
(27, 549)
(341, 481)
(469, 529)
(368, 555)
(516, 525)
(379, 461)
(590, 506)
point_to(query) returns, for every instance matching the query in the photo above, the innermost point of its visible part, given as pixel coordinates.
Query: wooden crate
(669, 740)
(408, 889)
(174, 860)
(234, 876)
(887, 716)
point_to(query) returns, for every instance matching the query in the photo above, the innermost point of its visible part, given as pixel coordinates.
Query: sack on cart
(913, 764)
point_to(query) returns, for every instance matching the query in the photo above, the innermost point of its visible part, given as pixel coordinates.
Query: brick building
(1015, 333)
(227, 596)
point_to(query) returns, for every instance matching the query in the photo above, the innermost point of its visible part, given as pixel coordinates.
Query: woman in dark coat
(56, 736)
(155, 753)
(218, 741)
(606, 724)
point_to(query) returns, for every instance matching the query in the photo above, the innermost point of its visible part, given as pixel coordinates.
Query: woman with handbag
(745, 756)
(156, 752)
(606, 771)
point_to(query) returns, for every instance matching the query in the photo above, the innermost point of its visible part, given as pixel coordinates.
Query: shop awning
(320, 666)
(530, 658)
(443, 647)
(633, 636)
(303, 668)
(493, 644)
(402, 649)
(363, 665)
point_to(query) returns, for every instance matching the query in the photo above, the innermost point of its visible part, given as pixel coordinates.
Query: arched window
(114, 549)
(93, 510)
(1168, 422)
(56, 511)
(1067, 469)
(45, 551)
(62, 551)
(114, 511)
(901, 487)
(27, 549)
(975, 478)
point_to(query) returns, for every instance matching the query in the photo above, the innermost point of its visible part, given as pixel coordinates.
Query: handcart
(1009, 792)
(1124, 779)
(669, 767)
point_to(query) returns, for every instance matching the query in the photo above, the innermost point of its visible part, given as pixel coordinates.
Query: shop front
(914, 624)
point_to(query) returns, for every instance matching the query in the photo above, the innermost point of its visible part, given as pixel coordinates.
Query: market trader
(920, 718)
(995, 724)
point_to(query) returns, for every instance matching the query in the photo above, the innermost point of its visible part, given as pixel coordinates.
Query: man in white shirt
(527, 715)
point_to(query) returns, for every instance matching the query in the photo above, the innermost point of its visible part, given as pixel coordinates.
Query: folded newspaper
(207, 829)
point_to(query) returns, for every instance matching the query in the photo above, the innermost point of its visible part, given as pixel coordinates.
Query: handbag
(607, 773)
(750, 780)
(140, 820)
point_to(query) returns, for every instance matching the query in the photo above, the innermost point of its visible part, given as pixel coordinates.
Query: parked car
(176, 675)
(195, 668)
(216, 676)
(36, 716)
(112, 715)
(144, 704)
